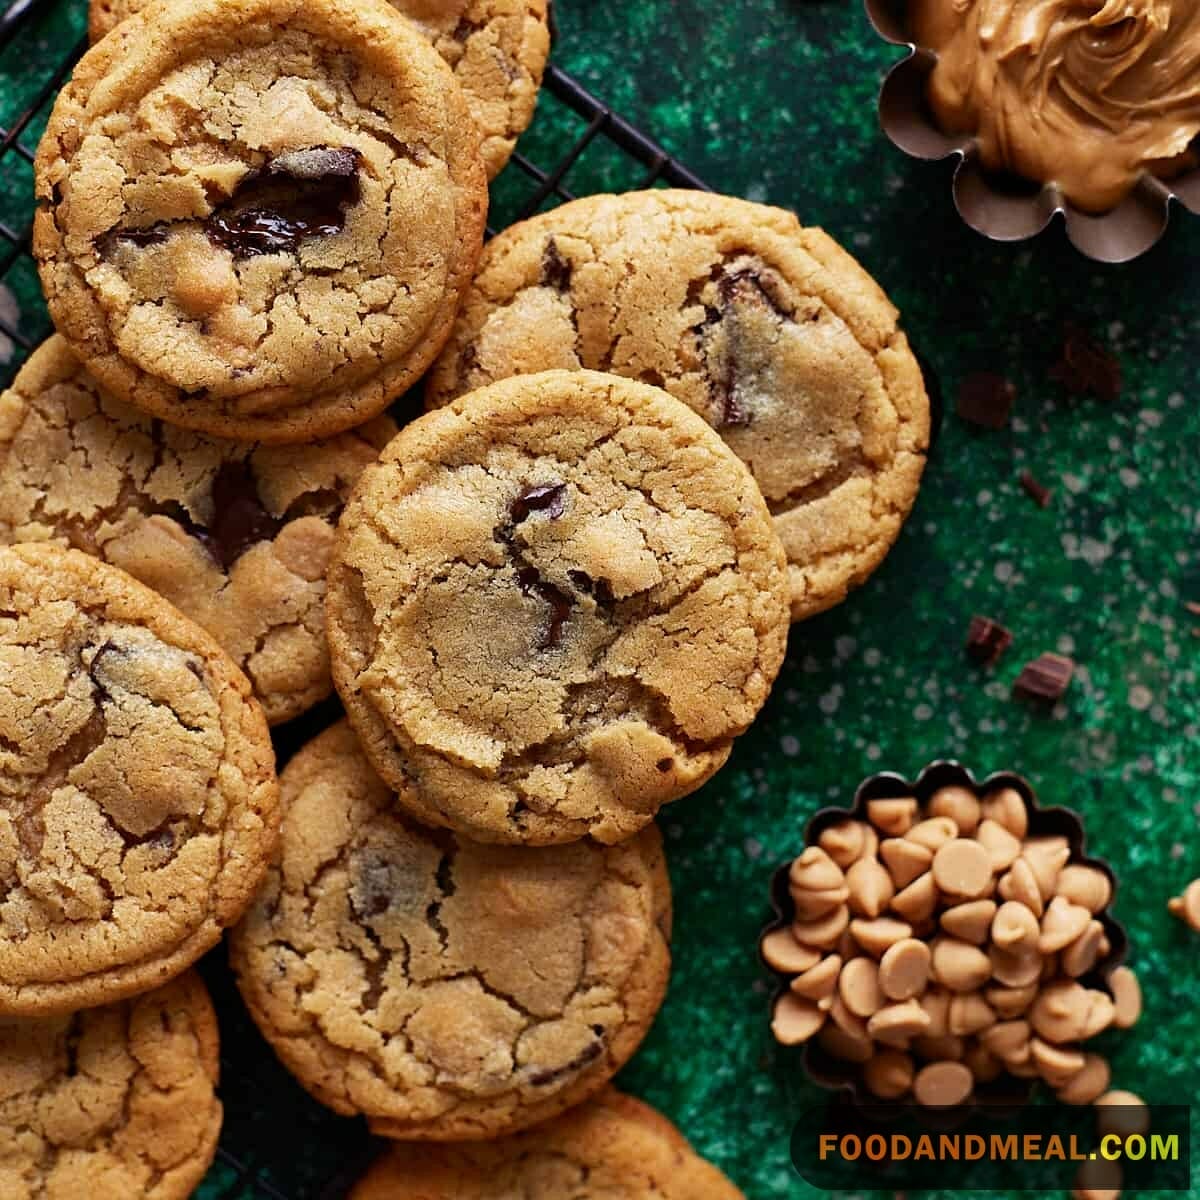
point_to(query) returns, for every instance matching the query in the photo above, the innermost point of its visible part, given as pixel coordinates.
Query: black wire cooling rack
(278, 1143)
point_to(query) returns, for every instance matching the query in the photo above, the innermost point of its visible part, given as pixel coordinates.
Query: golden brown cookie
(552, 607)
(496, 48)
(111, 1103)
(256, 217)
(446, 990)
(770, 331)
(235, 535)
(612, 1148)
(138, 801)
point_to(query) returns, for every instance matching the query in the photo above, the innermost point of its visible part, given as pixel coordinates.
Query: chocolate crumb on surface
(1036, 491)
(987, 640)
(1085, 366)
(1045, 678)
(986, 399)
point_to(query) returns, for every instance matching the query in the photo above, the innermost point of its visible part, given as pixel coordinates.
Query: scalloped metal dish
(1023, 210)
(1007, 1091)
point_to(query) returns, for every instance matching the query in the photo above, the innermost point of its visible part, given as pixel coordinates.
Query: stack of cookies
(662, 427)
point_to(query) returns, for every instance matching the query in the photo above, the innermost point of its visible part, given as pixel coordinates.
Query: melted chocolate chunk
(581, 1060)
(987, 640)
(1087, 366)
(298, 195)
(532, 584)
(550, 498)
(151, 235)
(239, 519)
(556, 270)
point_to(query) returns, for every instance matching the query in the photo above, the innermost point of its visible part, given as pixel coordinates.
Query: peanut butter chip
(894, 817)
(933, 833)
(1086, 886)
(1056, 1064)
(1014, 927)
(1007, 807)
(1098, 1180)
(871, 888)
(1046, 856)
(971, 921)
(1122, 1113)
(1065, 1011)
(904, 969)
(1089, 1083)
(853, 1047)
(858, 985)
(970, 1013)
(1011, 1002)
(847, 841)
(1016, 968)
(815, 871)
(1082, 954)
(889, 1075)
(896, 1023)
(905, 860)
(845, 1020)
(876, 936)
(1062, 923)
(824, 932)
(1007, 1039)
(960, 966)
(783, 953)
(1127, 998)
(943, 1084)
(960, 804)
(1021, 885)
(795, 1020)
(1001, 846)
(818, 983)
(962, 868)
(917, 901)
(1187, 906)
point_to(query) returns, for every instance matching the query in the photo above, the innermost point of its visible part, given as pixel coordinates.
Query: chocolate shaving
(1046, 679)
(987, 640)
(532, 584)
(1037, 492)
(550, 498)
(1085, 366)
(986, 399)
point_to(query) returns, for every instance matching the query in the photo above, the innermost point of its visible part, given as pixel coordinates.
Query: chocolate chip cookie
(235, 535)
(612, 1148)
(444, 989)
(769, 330)
(111, 1103)
(496, 48)
(552, 606)
(256, 217)
(138, 801)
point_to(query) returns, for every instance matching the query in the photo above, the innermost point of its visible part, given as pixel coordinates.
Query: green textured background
(774, 100)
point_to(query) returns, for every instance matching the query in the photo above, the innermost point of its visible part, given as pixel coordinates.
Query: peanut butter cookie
(496, 48)
(612, 1148)
(237, 536)
(552, 606)
(256, 217)
(138, 802)
(446, 990)
(111, 1103)
(770, 331)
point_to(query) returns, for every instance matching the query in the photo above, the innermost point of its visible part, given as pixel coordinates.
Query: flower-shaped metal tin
(1007, 1091)
(1012, 210)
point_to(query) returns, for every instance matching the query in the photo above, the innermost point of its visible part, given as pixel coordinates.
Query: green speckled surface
(774, 100)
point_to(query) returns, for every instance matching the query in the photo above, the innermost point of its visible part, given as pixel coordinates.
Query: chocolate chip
(548, 498)
(239, 519)
(986, 399)
(987, 640)
(1086, 366)
(556, 270)
(1046, 679)
(298, 195)
(1036, 491)
(532, 584)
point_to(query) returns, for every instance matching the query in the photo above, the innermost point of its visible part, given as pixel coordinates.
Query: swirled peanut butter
(1087, 94)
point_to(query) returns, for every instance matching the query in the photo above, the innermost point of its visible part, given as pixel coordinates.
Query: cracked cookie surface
(612, 1148)
(256, 217)
(769, 330)
(445, 989)
(496, 48)
(552, 606)
(113, 1102)
(138, 801)
(235, 535)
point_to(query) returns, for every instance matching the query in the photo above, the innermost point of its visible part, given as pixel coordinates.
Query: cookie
(256, 217)
(446, 990)
(111, 1103)
(552, 606)
(496, 48)
(770, 331)
(138, 801)
(234, 534)
(613, 1148)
